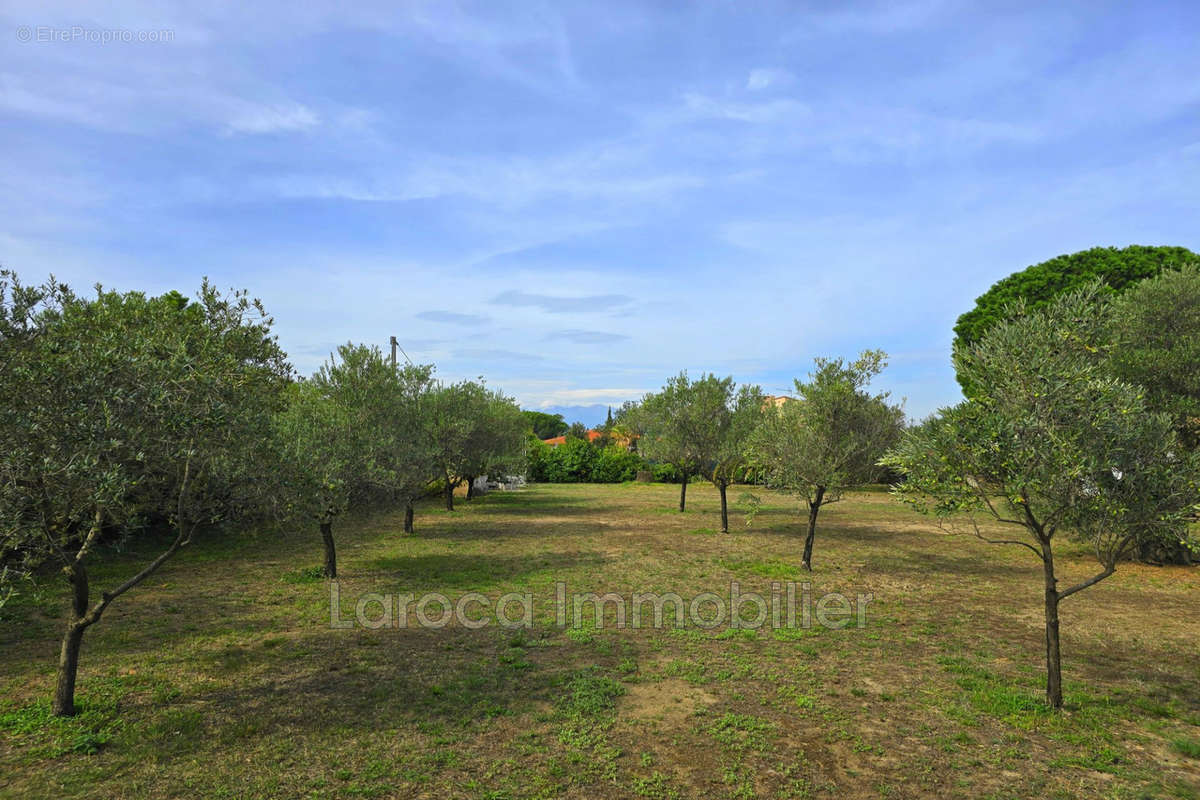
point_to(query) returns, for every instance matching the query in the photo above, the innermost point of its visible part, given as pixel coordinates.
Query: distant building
(629, 442)
(775, 400)
(616, 438)
(592, 436)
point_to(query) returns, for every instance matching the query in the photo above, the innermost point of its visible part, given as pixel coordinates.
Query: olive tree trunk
(724, 508)
(83, 617)
(683, 493)
(330, 551)
(408, 517)
(1053, 653)
(449, 495)
(68, 657)
(814, 507)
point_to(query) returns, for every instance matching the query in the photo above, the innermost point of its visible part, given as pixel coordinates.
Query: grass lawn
(222, 678)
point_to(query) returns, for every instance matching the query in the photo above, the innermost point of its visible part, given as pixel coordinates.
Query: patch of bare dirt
(670, 701)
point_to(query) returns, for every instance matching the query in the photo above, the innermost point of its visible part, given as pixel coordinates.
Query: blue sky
(578, 200)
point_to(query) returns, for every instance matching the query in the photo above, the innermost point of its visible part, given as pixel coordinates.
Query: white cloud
(272, 119)
(561, 304)
(453, 318)
(620, 173)
(771, 111)
(764, 78)
(577, 336)
(568, 397)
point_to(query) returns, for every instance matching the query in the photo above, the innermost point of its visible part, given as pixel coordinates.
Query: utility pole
(395, 344)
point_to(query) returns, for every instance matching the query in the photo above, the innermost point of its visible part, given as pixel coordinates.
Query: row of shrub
(578, 461)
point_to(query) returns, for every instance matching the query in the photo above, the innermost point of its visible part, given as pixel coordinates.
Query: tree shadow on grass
(361, 684)
(524, 503)
(457, 571)
(484, 529)
(343, 697)
(903, 561)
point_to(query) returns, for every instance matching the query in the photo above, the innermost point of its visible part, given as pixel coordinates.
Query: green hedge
(577, 461)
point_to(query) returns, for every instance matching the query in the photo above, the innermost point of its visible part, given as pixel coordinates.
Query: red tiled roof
(557, 440)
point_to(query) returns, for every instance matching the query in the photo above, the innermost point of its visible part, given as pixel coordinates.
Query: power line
(396, 346)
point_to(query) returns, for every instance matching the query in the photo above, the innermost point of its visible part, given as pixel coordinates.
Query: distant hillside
(591, 416)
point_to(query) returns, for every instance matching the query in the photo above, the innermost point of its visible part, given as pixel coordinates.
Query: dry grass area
(223, 678)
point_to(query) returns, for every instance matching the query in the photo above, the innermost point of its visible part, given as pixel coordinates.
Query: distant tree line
(543, 425)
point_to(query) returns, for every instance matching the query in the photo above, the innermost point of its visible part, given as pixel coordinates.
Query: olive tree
(735, 425)
(683, 424)
(382, 409)
(319, 459)
(829, 438)
(497, 443)
(471, 430)
(116, 412)
(1051, 444)
(452, 421)
(21, 308)
(411, 453)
